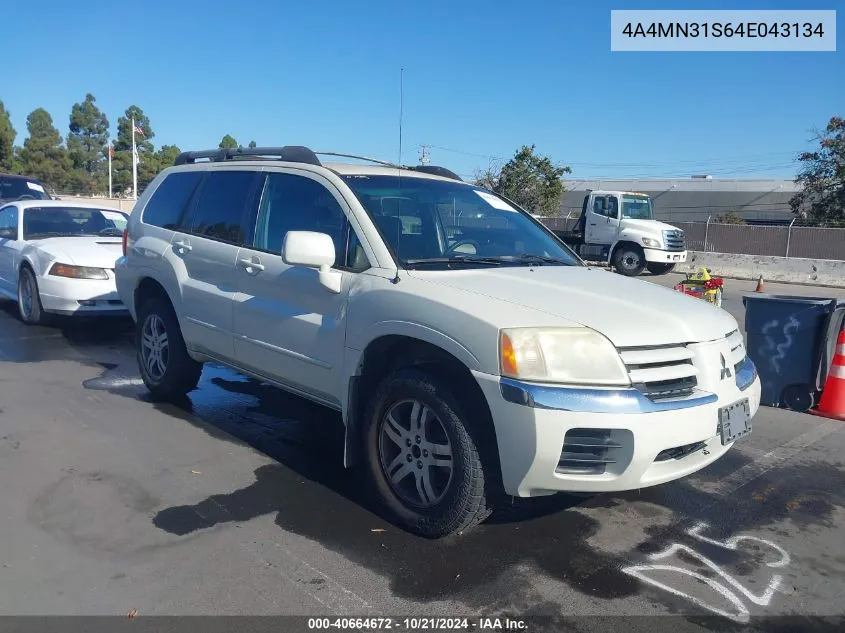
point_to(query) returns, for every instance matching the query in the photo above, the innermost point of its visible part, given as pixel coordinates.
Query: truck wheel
(167, 370)
(422, 457)
(629, 260)
(656, 268)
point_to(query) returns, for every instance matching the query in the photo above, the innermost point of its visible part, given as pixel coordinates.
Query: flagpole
(134, 164)
(110, 191)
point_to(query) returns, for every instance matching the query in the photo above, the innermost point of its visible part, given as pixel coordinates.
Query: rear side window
(220, 209)
(167, 203)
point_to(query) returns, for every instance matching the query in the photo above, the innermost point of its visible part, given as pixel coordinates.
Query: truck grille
(661, 373)
(674, 240)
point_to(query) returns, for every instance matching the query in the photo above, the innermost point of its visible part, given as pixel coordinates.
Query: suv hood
(630, 312)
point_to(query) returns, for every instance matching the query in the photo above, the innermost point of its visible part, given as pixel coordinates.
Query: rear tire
(415, 429)
(656, 268)
(629, 260)
(167, 370)
(29, 298)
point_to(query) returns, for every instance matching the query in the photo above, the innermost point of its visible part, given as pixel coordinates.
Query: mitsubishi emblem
(726, 371)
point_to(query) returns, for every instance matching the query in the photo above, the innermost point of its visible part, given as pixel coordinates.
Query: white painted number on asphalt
(729, 588)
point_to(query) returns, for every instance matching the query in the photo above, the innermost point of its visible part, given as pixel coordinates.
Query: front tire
(422, 456)
(629, 260)
(167, 370)
(656, 268)
(29, 299)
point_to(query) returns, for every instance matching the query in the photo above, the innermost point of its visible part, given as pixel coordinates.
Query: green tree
(122, 162)
(166, 156)
(253, 144)
(87, 144)
(7, 140)
(822, 177)
(42, 154)
(534, 182)
(731, 217)
(228, 142)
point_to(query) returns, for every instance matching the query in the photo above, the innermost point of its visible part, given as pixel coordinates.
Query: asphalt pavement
(235, 502)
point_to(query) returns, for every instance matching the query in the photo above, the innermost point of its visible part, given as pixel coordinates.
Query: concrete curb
(813, 272)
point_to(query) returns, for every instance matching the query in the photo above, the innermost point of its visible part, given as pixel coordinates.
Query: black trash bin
(789, 341)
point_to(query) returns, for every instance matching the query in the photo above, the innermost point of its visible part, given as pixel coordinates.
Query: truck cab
(618, 227)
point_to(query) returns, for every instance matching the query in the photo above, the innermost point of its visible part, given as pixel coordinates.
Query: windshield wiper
(455, 259)
(532, 258)
(35, 236)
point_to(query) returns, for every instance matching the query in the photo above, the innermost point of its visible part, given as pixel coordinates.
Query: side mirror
(8, 234)
(313, 250)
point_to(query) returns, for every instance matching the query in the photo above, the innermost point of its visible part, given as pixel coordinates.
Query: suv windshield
(17, 188)
(72, 221)
(637, 208)
(442, 224)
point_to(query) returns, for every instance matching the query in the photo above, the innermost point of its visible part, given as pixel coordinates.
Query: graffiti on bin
(722, 583)
(789, 327)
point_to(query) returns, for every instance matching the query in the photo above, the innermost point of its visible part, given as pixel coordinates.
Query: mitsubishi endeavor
(472, 355)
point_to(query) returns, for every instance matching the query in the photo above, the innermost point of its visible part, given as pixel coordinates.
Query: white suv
(472, 355)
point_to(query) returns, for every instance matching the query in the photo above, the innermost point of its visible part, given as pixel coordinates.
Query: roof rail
(365, 158)
(297, 154)
(288, 153)
(434, 170)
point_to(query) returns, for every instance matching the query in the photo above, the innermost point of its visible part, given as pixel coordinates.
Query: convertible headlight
(576, 355)
(647, 241)
(78, 272)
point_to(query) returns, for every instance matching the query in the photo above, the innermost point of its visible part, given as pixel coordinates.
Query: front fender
(411, 329)
(353, 358)
(628, 235)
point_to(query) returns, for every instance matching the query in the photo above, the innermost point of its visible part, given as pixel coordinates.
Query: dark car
(14, 188)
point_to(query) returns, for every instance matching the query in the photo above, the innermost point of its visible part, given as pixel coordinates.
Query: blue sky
(481, 78)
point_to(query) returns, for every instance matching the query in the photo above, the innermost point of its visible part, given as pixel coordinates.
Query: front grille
(674, 240)
(679, 452)
(737, 347)
(588, 452)
(661, 373)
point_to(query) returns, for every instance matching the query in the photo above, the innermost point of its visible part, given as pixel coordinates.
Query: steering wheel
(26, 196)
(454, 246)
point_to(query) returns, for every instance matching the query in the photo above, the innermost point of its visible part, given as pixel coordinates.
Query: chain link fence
(747, 239)
(713, 237)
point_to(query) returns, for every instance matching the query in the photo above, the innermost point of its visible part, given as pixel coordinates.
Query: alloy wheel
(25, 295)
(154, 348)
(415, 453)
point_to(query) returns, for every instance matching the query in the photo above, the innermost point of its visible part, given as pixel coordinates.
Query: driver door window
(9, 223)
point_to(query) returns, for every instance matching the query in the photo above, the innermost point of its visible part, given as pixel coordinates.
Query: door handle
(183, 246)
(592, 223)
(250, 265)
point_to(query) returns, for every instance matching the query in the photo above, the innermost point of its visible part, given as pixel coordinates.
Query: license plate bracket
(734, 421)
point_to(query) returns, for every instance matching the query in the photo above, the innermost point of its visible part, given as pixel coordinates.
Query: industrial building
(697, 198)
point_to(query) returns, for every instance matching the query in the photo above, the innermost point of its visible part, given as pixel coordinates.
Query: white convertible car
(58, 257)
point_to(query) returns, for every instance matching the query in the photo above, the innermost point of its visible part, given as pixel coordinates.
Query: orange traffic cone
(832, 403)
(760, 287)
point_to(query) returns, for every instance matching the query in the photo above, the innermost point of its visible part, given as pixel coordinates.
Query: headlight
(78, 272)
(647, 241)
(576, 355)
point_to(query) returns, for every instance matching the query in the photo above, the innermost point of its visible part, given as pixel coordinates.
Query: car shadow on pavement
(313, 495)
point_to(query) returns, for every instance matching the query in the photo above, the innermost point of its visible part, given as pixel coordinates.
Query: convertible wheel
(29, 299)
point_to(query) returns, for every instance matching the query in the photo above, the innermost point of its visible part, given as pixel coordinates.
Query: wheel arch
(622, 241)
(391, 352)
